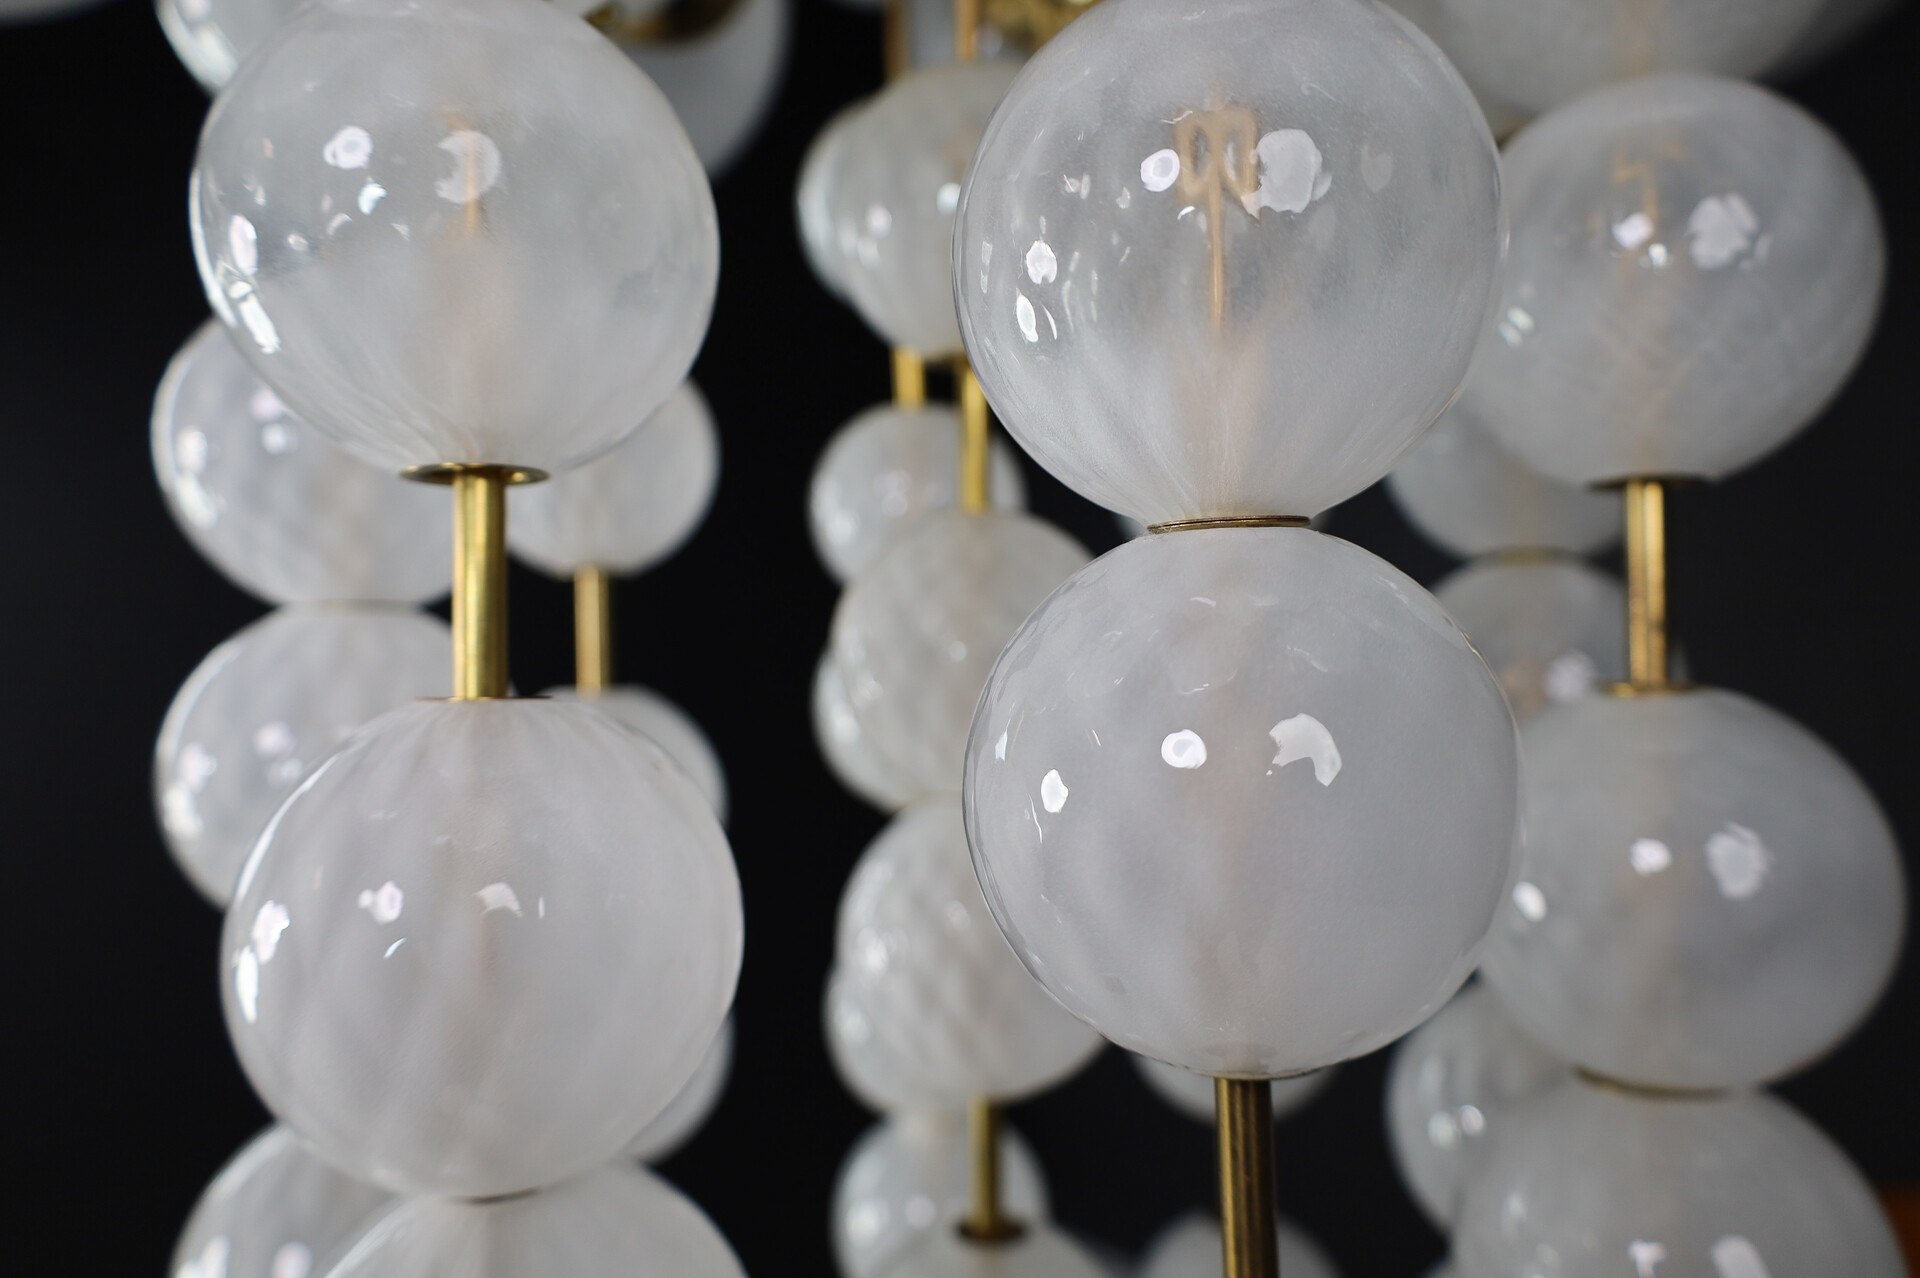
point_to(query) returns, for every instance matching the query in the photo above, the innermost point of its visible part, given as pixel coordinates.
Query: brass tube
(1646, 518)
(592, 630)
(966, 30)
(896, 38)
(1243, 1128)
(974, 450)
(480, 582)
(985, 1222)
(909, 378)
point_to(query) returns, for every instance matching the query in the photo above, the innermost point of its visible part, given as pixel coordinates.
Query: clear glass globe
(1735, 1185)
(910, 1174)
(917, 633)
(483, 947)
(1192, 1094)
(213, 37)
(1189, 1247)
(276, 506)
(884, 471)
(621, 1221)
(660, 721)
(455, 231)
(819, 170)
(721, 81)
(675, 1125)
(1043, 1251)
(1448, 1092)
(274, 1211)
(848, 748)
(631, 508)
(916, 942)
(1551, 629)
(891, 196)
(1708, 895)
(266, 708)
(1243, 799)
(1695, 268)
(1228, 261)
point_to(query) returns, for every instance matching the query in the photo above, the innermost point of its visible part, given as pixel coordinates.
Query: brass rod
(1646, 518)
(909, 378)
(592, 630)
(966, 30)
(986, 1222)
(480, 582)
(896, 38)
(975, 452)
(1243, 1126)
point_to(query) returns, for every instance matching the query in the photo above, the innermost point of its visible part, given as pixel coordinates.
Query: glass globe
(1695, 268)
(1503, 117)
(1228, 261)
(1551, 629)
(1243, 799)
(274, 1211)
(1043, 1251)
(621, 1221)
(819, 170)
(916, 942)
(474, 232)
(1448, 1092)
(1192, 1094)
(849, 749)
(266, 708)
(483, 947)
(1469, 496)
(885, 470)
(274, 505)
(917, 633)
(675, 1125)
(891, 197)
(1729, 1186)
(1189, 1247)
(910, 1174)
(1838, 24)
(721, 81)
(660, 721)
(870, 1063)
(1708, 895)
(631, 508)
(213, 37)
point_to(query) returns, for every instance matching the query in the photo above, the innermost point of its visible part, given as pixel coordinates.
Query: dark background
(1794, 583)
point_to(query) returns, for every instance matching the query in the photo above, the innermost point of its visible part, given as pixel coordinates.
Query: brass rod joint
(480, 582)
(1243, 1126)
(975, 453)
(592, 630)
(909, 378)
(1646, 519)
(985, 1222)
(1232, 521)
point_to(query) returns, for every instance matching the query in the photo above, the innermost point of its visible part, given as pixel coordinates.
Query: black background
(1793, 582)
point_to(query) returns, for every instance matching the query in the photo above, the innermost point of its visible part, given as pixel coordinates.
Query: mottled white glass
(1452, 1082)
(1695, 268)
(483, 947)
(1189, 1247)
(867, 1062)
(721, 81)
(911, 1173)
(212, 37)
(885, 470)
(1708, 895)
(917, 633)
(1243, 799)
(1503, 117)
(277, 507)
(1192, 1094)
(1228, 260)
(1550, 628)
(274, 1211)
(631, 508)
(675, 1125)
(1606, 1181)
(618, 1222)
(455, 231)
(812, 213)
(660, 721)
(1043, 1251)
(266, 708)
(848, 748)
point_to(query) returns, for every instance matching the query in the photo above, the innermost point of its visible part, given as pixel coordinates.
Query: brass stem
(896, 38)
(985, 1222)
(1646, 517)
(480, 582)
(966, 30)
(1243, 1127)
(975, 452)
(909, 378)
(592, 630)
(1217, 279)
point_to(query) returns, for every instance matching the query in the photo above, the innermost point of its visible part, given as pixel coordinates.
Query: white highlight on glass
(476, 166)
(1183, 749)
(1292, 174)
(1053, 791)
(1042, 266)
(1649, 856)
(384, 902)
(1739, 861)
(1305, 737)
(1158, 171)
(350, 148)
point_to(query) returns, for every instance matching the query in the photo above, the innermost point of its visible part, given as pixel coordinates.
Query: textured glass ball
(618, 1222)
(916, 634)
(1708, 895)
(1189, 1247)
(276, 506)
(660, 721)
(848, 748)
(819, 170)
(894, 186)
(1243, 799)
(1448, 1092)
(1043, 1251)
(721, 81)
(274, 1211)
(911, 1173)
(631, 508)
(1228, 260)
(1192, 1094)
(1730, 1186)
(675, 1125)
(884, 471)
(266, 708)
(868, 1063)
(915, 940)
(1551, 629)
(1695, 268)
(212, 37)
(483, 947)
(455, 231)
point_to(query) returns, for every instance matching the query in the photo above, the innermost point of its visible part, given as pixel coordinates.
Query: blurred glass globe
(1192, 1094)
(675, 1125)
(660, 721)
(721, 80)
(1042, 1251)
(849, 749)
(867, 1062)
(212, 37)
(1550, 628)
(274, 1211)
(1189, 1247)
(812, 213)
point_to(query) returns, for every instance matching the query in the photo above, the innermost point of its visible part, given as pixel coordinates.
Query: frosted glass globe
(885, 470)
(848, 748)
(660, 721)
(1550, 629)
(1733, 1186)
(1043, 1251)
(618, 1222)
(1503, 117)
(483, 947)
(277, 507)
(475, 233)
(675, 1125)
(1836, 26)
(1189, 1247)
(1695, 268)
(274, 1211)
(891, 198)
(917, 633)
(868, 1064)
(1708, 895)
(819, 170)
(266, 708)
(1469, 496)
(916, 941)
(212, 37)
(1192, 1094)
(631, 508)
(910, 1174)
(1243, 799)
(721, 82)
(1452, 1082)
(1231, 260)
